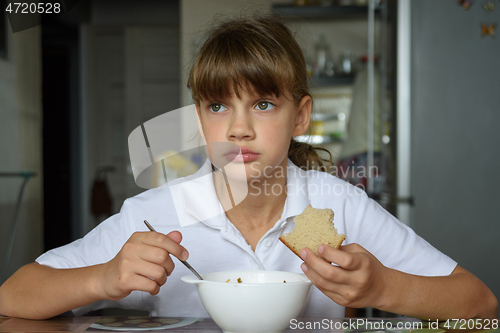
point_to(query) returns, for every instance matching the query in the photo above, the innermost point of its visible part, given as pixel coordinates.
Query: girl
(250, 89)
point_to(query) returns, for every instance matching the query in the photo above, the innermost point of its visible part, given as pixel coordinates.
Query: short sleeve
(393, 243)
(99, 246)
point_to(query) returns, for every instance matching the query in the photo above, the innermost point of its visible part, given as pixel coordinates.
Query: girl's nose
(240, 126)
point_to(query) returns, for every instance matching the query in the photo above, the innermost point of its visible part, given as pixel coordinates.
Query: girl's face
(261, 125)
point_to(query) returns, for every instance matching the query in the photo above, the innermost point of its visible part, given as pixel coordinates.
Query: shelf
(327, 117)
(318, 139)
(324, 81)
(320, 12)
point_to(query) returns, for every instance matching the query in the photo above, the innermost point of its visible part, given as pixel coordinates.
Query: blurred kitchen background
(409, 87)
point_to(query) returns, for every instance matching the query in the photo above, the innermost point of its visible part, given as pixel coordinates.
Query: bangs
(244, 59)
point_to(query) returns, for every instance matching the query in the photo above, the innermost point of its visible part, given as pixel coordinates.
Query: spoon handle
(192, 269)
(150, 227)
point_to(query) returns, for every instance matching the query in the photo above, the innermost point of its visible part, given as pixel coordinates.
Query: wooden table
(206, 325)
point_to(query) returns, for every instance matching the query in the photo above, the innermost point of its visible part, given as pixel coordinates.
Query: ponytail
(306, 157)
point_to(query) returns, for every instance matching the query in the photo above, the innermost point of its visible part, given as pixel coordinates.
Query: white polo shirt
(217, 245)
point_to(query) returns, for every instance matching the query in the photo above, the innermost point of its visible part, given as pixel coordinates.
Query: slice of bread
(312, 228)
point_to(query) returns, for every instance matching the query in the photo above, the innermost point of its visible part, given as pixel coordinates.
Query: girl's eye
(264, 105)
(217, 107)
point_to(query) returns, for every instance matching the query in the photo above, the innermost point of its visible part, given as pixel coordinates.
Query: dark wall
(58, 99)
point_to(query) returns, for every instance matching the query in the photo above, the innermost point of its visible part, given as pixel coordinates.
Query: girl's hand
(143, 263)
(358, 281)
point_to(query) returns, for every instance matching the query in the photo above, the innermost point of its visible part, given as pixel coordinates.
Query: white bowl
(263, 302)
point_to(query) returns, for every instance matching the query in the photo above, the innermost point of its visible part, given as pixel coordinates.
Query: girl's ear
(198, 117)
(303, 116)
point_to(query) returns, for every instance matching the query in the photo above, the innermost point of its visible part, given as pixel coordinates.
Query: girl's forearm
(37, 292)
(459, 295)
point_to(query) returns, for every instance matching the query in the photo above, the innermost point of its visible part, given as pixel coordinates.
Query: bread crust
(322, 216)
(290, 247)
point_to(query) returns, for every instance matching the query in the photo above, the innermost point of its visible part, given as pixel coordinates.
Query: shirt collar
(297, 198)
(196, 200)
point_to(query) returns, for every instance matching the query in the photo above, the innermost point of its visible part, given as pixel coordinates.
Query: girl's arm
(360, 280)
(456, 296)
(37, 291)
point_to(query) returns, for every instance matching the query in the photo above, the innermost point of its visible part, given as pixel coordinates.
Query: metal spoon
(150, 227)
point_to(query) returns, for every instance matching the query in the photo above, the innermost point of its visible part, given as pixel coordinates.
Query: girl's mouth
(246, 157)
(241, 154)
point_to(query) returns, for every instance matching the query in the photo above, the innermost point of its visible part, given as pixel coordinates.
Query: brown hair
(260, 54)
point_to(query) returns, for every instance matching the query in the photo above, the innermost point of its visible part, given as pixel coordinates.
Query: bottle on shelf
(322, 53)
